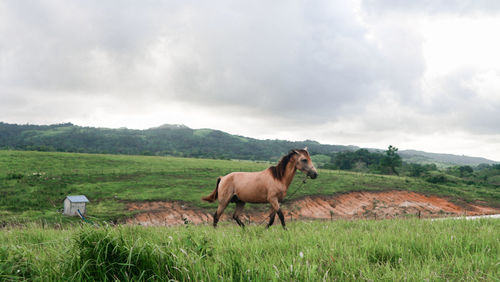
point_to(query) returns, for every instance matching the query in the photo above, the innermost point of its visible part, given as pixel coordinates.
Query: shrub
(437, 179)
(106, 255)
(13, 175)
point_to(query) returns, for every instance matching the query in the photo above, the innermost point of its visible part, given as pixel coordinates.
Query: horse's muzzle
(312, 174)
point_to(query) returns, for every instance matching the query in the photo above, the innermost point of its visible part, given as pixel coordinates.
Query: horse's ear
(295, 151)
(305, 148)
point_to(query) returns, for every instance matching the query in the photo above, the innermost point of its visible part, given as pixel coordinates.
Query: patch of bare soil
(354, 205)
(166, 213)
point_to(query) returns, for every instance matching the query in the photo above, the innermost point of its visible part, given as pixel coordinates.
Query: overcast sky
(419, 75)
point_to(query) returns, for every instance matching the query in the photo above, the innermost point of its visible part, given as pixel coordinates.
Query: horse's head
(304, 163)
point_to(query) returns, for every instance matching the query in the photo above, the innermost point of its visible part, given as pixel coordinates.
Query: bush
(14, 175)
(106, 255)
(437, 179)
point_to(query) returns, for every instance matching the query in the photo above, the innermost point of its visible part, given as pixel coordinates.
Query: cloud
(273, 59)
(468, 99)
(433, 7)
(277, 60)
(349, 71)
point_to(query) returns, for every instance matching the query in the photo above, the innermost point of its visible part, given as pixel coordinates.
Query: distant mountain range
(180, 140)
(413, 156)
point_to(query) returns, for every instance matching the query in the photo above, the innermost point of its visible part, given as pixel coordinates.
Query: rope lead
(295, 191)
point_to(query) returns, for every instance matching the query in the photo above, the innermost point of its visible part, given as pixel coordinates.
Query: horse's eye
(304, 160)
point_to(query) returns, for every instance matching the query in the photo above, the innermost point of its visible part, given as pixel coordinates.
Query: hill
(421, 157)
(34, 184)
(182, 141)
(172, 140)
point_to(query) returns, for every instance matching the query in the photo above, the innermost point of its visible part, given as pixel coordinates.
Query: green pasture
(363, 250)
(33, 185)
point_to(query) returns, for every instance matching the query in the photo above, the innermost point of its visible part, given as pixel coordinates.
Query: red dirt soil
(354, 205)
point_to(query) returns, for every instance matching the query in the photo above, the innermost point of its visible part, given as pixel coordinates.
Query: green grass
(389, 250)
(202, 132)
(34, 184)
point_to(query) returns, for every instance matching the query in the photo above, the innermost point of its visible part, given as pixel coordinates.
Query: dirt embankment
(355, 205)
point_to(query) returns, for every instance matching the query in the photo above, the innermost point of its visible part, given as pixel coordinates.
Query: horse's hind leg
(220, 209)
(216, 219)
(237, 212)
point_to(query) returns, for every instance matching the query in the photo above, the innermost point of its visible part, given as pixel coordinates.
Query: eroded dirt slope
(354, 205)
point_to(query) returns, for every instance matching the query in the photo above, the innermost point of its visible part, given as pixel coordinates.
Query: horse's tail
(213, 196)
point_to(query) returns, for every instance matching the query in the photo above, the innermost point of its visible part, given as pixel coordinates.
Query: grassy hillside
(34, 184)
(389, 250)
(171, 140)
(179, 140)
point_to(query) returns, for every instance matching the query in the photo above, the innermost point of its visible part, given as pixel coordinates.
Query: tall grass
(309, 251)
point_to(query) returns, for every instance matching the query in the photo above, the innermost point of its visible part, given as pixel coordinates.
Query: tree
(361, 159)
(391, 160)
(464, 170)
(416, 170)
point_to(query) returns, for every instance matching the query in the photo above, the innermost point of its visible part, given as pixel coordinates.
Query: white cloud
(453, 43)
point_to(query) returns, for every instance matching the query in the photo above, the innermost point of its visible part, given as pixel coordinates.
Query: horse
(266, 186)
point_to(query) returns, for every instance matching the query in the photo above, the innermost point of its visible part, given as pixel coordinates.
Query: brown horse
(267, 186)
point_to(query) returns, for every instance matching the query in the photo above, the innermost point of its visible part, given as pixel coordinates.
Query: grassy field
(388, 250)
(34, 184)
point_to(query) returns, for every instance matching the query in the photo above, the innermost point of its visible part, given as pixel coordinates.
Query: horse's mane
(278, 171)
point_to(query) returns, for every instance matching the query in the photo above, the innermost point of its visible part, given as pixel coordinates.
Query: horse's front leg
(276, 209)
(271, 218)
(282, 218)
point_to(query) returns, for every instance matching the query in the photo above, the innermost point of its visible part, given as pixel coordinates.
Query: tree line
(362, 160)
(178, 141)
(389, 162)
